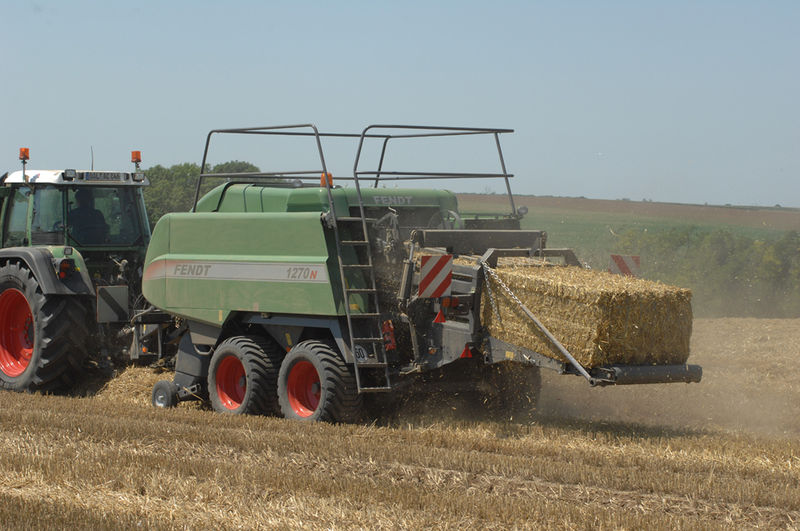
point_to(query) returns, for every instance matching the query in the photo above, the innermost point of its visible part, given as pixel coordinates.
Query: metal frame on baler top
(359, 316)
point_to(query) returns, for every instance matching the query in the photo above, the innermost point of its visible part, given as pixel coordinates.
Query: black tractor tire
(165, 394)
(509, 391)
(315, 384)
(43, 338)
(243, 375)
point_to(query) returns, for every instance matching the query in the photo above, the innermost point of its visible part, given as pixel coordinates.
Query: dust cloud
(751, 383)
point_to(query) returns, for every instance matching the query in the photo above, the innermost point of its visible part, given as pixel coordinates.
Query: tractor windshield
(88, 216)
(94, 216)
(103, 216)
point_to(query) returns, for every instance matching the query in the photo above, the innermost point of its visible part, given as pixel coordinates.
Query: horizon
(777, 206)
(648, 201)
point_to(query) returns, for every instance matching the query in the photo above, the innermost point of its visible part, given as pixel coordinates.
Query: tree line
(172, 189)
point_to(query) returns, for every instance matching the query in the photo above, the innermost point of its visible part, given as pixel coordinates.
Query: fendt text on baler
(300, 295)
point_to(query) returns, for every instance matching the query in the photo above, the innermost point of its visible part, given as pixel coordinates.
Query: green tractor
(73, 246)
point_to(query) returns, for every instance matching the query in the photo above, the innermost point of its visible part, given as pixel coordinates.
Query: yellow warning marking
(220, 316)
(354, 306)
(509, 355)
(288, 338)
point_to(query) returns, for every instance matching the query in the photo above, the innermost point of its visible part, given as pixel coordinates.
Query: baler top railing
(428, 131)
(393, 132)
(265, 130)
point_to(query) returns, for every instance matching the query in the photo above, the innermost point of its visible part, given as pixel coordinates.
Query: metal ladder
(364, 326)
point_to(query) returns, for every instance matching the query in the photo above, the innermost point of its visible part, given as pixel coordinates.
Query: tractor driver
(88, 225)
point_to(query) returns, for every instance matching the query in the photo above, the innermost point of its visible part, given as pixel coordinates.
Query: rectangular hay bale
(602, 319)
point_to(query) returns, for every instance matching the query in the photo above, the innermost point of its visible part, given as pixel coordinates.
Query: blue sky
(685, 101)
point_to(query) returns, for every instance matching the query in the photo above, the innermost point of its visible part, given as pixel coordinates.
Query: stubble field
(724, 453)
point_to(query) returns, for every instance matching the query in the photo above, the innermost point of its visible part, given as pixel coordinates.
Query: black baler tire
(273, 356)
(260, 360)
(339, 399)
(60, 330)
(165, 394)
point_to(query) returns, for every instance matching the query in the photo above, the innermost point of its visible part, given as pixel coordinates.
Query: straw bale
(600, 318)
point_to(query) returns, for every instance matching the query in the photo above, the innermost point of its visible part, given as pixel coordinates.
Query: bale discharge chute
(339, 287)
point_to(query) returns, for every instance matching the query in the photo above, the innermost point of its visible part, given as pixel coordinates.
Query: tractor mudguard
(40, 261)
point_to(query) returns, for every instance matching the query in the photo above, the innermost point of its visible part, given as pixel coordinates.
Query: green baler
(298, 295)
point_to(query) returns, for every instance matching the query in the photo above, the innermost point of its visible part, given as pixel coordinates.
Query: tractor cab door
(15, 220)
(33, 216)
(5, 192)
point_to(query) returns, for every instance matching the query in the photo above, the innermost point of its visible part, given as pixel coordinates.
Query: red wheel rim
(303, 388)
(16, 333)
(231, 382)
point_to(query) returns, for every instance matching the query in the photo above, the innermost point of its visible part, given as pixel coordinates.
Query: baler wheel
(43, 338)
(165, 394)
(315, 384)
(303, 388)
(242, 376)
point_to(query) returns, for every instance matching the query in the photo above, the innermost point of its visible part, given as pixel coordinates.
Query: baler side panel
(263, 262)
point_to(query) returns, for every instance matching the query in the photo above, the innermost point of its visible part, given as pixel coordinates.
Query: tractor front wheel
(315, 384)
(43, 338)
(242, 376)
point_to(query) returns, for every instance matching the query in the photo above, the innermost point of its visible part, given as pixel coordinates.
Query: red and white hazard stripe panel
(435, 276)
(624, 265)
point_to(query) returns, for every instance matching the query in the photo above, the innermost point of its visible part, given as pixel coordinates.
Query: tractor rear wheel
(242, 376)
(510, 391)
(43, 338)
(315, 384)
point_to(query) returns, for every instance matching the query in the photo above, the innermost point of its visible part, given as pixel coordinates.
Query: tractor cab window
(17, 218)
(47, 225)
(103, 216)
